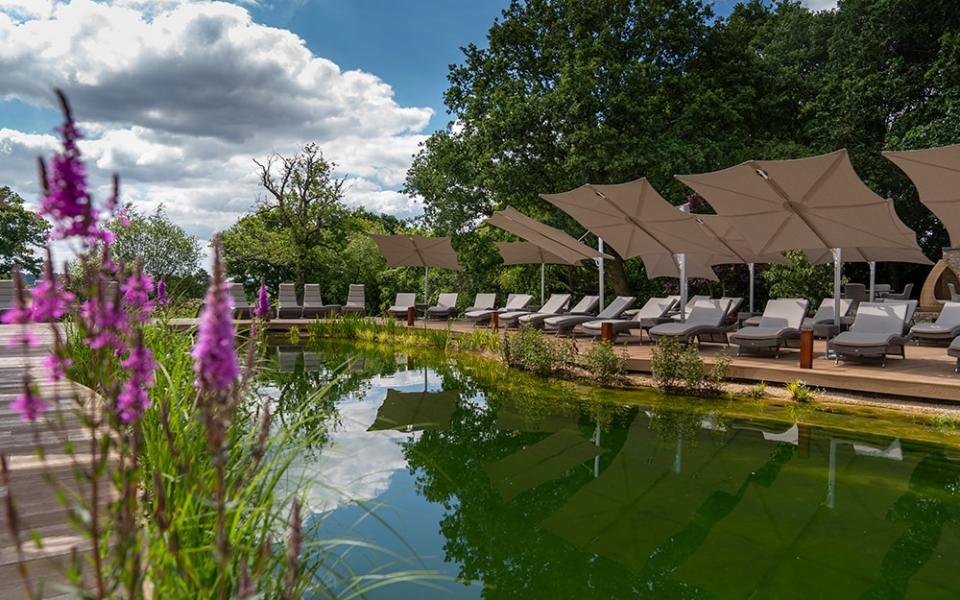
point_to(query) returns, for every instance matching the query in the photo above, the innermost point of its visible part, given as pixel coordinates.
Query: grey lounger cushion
(706, 316)
(781, 318)
(652, 313)
(402, 302)
(945, 328)
(585, 307)
(553, 306)
(876, 331)
(566, 323)
(445, 308)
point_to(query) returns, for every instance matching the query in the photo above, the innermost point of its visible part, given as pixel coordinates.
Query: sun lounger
(241, 308)
(514, 302)
(567, 323)
(553, 306)
(911, 310)
(586, 307)
(356, 301)
(632, 312)
(954, 351)
(313, 305)
(652, 313)
(483, 302)
(822, 321)
(445, 308)
(734, 308)
(706, 318)
(876, 332)
(287, 307)
(401, 304)
(686, 310)
(781, 319)
(944, 329)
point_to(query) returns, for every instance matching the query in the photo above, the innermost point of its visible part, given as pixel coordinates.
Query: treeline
(575, 91)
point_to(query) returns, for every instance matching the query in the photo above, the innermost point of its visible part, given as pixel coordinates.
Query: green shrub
(605, 364)
(801, 392)
(530, 350)
(680, 369)
(944, 421)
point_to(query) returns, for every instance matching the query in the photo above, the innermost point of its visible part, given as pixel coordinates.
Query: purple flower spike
(29, 405)
(56, 366)
(262, 310)
(215, 357)
(134, 398)
(162, 292)
(66, 197)
(136, 293)
(50, 300)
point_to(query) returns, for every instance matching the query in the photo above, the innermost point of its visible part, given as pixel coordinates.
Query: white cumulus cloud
(180, 97)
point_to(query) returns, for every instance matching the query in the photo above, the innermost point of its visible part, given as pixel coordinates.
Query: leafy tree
(21, 233)
(800, 279)
(164, 247)
(299, 214)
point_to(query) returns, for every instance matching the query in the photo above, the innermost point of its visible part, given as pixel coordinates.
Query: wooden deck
(926, 374)
(37, 505)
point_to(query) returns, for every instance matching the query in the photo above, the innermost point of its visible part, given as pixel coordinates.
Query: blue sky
(179, 97)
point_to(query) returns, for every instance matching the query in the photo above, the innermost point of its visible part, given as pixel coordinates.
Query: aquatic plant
(529, 349)
(680, 369)
(604, 364)
(758, 391)
(801, 392)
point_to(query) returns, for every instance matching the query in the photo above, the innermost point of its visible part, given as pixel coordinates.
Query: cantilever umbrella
(809, 203)
(736, 248)
(417, 251)
(528, 253)
(635, 219)
(936, 175)
(556, 242)
(666, 265)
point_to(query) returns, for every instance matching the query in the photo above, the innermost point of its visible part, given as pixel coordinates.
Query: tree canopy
(22, 234)
(575, 91)
(164, 247)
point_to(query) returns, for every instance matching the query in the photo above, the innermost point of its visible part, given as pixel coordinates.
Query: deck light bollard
(495, 321)
(411, 316)
(806, 348)
(606, 332)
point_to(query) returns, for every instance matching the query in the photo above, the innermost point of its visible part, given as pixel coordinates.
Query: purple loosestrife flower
(105, 319)
(136, 294)
(56, 366)
(66, 198)
(29, 405)
(50, 300)
(214, 354)
(162, 292)
(134, 398)
(262, 310)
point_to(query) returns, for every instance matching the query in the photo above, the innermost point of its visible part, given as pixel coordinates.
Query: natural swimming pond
(513, 488)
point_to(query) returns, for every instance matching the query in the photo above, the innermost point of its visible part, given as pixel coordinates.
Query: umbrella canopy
(736, 249)
(417, 251)
(665, 265)
(816, 202)
(554, 241)
(936, 175)
(527, 253)
(634, 219)
(908, 255)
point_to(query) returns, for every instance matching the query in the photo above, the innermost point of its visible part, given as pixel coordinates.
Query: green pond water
(503, 486)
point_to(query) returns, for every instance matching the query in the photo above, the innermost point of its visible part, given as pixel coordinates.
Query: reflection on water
(524, 490)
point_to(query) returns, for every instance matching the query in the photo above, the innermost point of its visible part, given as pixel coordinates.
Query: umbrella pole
(873, 278)
(426, 276)
(751, 268)
(542, 279)
(600, 267)
(837, 267)
(682, 263)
